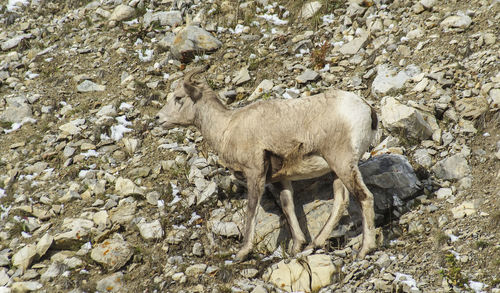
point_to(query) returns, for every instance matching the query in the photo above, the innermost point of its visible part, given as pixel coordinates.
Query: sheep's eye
(178, 100)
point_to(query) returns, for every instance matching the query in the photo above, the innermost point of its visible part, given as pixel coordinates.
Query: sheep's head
(180, 107)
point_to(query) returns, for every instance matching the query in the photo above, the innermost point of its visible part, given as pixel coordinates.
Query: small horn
(190, 74)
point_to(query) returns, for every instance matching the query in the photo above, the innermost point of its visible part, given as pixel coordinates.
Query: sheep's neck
(212, 119)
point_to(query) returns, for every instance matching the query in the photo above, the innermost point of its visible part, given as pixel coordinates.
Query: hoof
(241, 255)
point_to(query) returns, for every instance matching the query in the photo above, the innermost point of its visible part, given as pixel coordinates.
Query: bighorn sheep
(279, 141)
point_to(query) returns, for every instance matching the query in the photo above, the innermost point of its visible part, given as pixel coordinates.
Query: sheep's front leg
(286, 199)
(255, 184)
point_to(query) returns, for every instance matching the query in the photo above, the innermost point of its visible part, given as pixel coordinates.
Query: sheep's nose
(157, 117)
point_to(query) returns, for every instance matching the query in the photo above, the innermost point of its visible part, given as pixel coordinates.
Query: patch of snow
(15, 126)
(238, 29)
(2, 193)
(194, 217)
(14, 5)
(90, 153)
(5, 212)
(125, 106)
(453, 238)
(408, 280)
(146, 56)
(327, 19)
(25, 234)
(477, 286)
(117, 131)
(273, 18)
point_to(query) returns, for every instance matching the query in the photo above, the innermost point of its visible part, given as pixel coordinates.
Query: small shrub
(319, 55)
(453, 271)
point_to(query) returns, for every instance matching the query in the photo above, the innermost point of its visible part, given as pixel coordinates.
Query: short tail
(374, 118)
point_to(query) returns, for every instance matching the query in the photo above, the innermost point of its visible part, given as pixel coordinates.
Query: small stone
(122, 12)
(54, 270)
(44, 244)
(27, 286)
(388, 79)
(195, 270)
(249, 273)
(259, 289)
(89, 86)
(14, 42)
(309, 9)
(444, 193)
(428, 4)
(198, 249)
(23, 258)
(264, 87)
(242, 76)
(457, 21)
(191, 40)
(307, 76)
(227, 229)
(466, 209)
(170, 18)
(101, 219)
(125, 187)
(454, 167)
(108, 110)
(112, 283)
(112, 253)
(422, 157)
(355, 45)
(77, 233)
(151, 230)
(397, 117)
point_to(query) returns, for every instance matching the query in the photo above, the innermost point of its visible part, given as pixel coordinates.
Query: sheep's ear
(193, 90)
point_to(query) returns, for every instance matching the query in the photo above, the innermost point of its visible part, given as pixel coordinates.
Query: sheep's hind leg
(347, 170)
(287, 205)
(340, 201)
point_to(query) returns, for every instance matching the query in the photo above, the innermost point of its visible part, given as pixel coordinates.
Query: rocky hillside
(95, 197)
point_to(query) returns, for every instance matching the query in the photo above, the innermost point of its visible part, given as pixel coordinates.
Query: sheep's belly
(311, 166)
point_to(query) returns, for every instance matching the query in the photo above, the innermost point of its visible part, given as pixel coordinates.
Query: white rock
(397, 117)
(467, 208)
(54, 270)
(298, 276)
(264, 87)
(77, 232)
(26, 286)
(195, 270)
(122, 12)
(151, 230)
(454, 167)
(428, 4)
(101, 219)
(227, 229)
(13, 42)
(4, 277)
(242, 76)
(72, 127)
(353, 46)
(112, 253)
(444, 193)
(23, 258)
(44, 244)
(89, 86)
(108, 110)
(309, 9)
(388, 79)
(456, 21)
(170, 18)
(307, 76)
(112, 283)
(422, 157)
(125, 187)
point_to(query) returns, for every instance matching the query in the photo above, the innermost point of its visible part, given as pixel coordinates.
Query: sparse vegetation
(453, 271)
